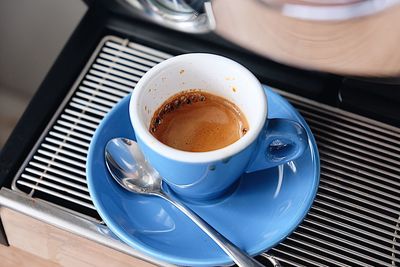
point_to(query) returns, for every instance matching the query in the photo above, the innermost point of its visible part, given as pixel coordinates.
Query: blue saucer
(263, 210)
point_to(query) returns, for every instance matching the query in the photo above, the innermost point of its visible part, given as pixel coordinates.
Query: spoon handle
(237, 255)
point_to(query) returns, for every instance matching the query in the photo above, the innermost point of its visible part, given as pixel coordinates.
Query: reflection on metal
(186, 16)
(67, 221)
(354, 220)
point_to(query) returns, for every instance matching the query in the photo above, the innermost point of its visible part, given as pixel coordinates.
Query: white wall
(32, 33)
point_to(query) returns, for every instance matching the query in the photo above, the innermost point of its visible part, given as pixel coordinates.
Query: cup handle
(281, 140)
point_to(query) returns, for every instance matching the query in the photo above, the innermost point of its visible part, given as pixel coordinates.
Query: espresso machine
(355, 41)
(336, 61)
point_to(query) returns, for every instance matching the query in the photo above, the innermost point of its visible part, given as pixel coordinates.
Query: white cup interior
(207, 72)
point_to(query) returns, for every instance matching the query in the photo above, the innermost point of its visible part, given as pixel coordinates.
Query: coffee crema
(198, 121)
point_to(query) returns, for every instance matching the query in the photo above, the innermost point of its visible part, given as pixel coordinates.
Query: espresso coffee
(198, 121)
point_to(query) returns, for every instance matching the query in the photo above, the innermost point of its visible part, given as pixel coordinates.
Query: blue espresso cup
(207, 175)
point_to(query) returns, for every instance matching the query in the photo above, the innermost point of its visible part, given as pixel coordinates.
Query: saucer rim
(181, 260)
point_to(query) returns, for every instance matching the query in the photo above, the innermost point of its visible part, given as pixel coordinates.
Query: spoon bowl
(130, 169)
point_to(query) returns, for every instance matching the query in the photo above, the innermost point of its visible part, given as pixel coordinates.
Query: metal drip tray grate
(354, 220)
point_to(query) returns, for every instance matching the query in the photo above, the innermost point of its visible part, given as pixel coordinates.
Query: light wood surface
(367, 46)
(56, 247)
(14, 257)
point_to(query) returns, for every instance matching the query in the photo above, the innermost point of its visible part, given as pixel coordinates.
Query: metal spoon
(129, 168)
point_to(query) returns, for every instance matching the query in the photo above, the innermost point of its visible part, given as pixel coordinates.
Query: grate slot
(374, 253)
(355, 184)
(321, 251)
(359, 219)
(96, 99)
(63, 151)
(333, 123)
(349, 236)
(360, 165)
(360, 173)
(92, 105)
(139, 69)
(306, 259)
(100, 94)
(129, 57)
(71, 132)
(56, 194)
(61, 158)
(88, 110)
(55, 186)
(328, 247)
(145, 51)
(60, 165)
(59, 180)
(69, 139)
(354, 220)
(333, 185)
(354, 198)
(129, 79)
(120, 67)
(355, 139)
(116, 91)
(369, 232)
(353, 208)
(334, 172)
(142, 52)
(349, 118)
(366, 159)
(79, 121)
(382, 158)
(83, 116)
(57, 171)
(107, 76)
(109, 83)
(73, 127)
